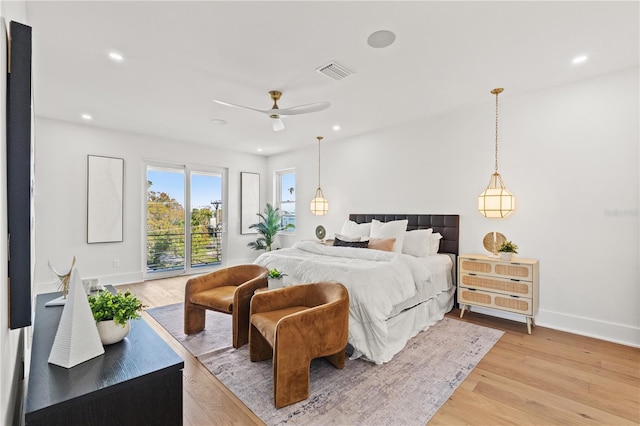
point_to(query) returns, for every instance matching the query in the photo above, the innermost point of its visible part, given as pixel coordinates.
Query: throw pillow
(357, 244)
(384, 244)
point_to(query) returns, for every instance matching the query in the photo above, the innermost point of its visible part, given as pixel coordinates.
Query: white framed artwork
(249, 202)
(105, 189)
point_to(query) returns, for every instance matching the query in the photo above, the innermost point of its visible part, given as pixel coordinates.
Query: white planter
(111, 332)
(505, 255)
(275, 283)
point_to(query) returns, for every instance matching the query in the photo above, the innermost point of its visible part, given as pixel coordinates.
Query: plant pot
(111, 332)
(275, 283)
(506, 255)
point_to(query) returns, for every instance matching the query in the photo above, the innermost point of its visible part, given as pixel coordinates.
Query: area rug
(408, 390)
(216, 335)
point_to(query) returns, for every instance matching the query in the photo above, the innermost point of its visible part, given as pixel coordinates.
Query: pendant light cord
(319, 139)
(497, 92)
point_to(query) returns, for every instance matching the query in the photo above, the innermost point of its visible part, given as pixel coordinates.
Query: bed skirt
(408, 323)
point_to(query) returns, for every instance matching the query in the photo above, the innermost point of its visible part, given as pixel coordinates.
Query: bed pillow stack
(390, 236)
(394, 229)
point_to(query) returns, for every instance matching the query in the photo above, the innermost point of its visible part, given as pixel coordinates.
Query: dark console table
(135, 382)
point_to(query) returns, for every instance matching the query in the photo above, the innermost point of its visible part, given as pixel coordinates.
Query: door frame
(187, 169)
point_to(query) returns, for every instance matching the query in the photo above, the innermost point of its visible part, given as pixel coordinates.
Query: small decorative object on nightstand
(492, 241)
(499, 284)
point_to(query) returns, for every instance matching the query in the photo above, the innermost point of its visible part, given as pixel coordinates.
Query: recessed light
(336, 127)
(218, 121)
(380, 39)
(87, 117)
(116, 57)
(579, 59)
(259, 149)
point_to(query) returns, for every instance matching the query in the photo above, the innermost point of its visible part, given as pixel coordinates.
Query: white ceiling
(180, 55)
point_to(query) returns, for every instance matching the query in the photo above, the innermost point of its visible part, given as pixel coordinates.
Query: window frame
(278, 174)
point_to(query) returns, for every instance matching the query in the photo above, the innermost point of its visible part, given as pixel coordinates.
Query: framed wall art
(249, 201)
(105, 190)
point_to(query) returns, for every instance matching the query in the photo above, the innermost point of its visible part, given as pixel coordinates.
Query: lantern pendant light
(319, 204)
(496, 200)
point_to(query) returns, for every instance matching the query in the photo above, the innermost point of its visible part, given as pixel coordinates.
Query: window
(184, 217)
(286, 197)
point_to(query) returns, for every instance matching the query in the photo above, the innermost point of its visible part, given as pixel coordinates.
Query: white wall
(569, 153)
(61, 197)
(11, 341)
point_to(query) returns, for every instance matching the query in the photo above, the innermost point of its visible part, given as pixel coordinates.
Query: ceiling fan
(276, 113)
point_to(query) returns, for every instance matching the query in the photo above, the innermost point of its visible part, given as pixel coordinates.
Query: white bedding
(377, 281)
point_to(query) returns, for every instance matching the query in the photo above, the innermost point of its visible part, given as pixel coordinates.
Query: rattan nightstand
(507, 285)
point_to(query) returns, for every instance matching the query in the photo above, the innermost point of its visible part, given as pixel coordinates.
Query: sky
(288, 181)
(205, 188)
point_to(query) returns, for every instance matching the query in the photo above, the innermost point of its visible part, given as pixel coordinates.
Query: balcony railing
(165, 250)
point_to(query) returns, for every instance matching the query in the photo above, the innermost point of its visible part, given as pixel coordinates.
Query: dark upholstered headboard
(446, 224)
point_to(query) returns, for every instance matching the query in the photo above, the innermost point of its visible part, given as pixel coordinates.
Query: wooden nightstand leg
(529, 321)
(462, 308)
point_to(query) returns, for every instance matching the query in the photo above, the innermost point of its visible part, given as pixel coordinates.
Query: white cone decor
(77, 339)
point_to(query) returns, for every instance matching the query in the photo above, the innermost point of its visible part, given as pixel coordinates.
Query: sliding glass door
(184, 215)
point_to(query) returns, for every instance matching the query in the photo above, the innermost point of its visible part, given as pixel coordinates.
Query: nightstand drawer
(495, 284)
(519, 305)
(511, 269)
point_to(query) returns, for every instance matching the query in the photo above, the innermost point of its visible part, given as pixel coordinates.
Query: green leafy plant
(268, 227)
(508, 247)
(119, 307)
(274, 273)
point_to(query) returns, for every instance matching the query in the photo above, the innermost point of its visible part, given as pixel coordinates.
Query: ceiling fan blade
(240, 106)
(304, 109)
(277, 124)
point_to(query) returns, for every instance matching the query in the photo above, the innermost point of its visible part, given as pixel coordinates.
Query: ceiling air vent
(334, 71)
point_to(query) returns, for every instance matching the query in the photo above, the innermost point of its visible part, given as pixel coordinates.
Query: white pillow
(417, 243)
(353, 229)
(435, 243)
(394, 229)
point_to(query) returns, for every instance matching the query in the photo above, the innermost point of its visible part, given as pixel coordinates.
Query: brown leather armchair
(227, 290)
(294, 325)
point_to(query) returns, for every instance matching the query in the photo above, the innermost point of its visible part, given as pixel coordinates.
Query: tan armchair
(294, 325)
(227, 290)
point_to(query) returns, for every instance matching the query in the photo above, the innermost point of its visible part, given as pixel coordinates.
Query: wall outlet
(116, 263)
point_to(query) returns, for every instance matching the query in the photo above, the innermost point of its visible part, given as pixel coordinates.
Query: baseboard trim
(603, 330)
(589, 327)
(128, 278)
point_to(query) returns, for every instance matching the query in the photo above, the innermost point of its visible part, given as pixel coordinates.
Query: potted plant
(268, 227)
(112, 313)
(275, 278)
(507, 249)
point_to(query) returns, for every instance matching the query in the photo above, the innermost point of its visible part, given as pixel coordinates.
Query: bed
(393, 295)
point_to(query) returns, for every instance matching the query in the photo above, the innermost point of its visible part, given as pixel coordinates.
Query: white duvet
(376, 281)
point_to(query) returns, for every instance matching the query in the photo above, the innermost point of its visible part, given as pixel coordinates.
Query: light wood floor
(546, 378)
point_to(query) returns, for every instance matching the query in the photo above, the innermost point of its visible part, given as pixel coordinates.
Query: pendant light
(319, 204)
(496, 200)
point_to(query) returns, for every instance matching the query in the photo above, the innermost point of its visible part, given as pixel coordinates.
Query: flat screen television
(19, 174)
